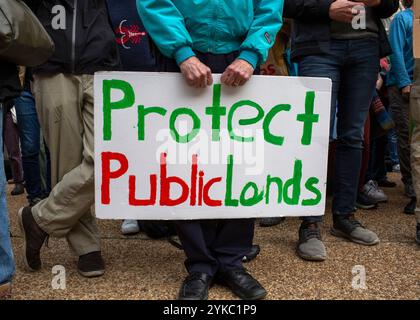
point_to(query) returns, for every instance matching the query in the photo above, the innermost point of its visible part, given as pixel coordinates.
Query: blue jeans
(7, 265)
(29, 132)
(353, 67)
(393, 147)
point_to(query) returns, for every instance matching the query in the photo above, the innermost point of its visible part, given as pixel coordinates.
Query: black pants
(212, 245)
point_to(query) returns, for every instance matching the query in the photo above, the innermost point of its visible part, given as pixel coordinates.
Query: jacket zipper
(73, 38)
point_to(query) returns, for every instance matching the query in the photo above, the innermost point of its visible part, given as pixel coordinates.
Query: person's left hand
(238, 73)
(406, 91)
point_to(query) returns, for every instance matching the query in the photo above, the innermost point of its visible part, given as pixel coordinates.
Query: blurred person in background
(399, 82)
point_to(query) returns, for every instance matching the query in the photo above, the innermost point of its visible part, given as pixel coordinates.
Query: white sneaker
(372, 190)
(130, 227)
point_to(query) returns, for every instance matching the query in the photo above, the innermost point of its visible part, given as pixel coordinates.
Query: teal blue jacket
(178, 27)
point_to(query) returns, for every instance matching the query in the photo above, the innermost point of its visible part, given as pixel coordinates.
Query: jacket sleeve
(397, 38)
(165, 24)
(33, 4)
(262, 33)
(387, 8)
(307, 9)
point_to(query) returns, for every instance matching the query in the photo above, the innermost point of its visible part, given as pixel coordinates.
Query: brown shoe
(5, 290)
(91, 265)
(33, 239)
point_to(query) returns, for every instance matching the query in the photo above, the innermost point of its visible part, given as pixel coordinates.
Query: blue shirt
(402, 59)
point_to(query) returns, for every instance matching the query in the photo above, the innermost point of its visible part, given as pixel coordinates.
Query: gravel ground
(139, 268)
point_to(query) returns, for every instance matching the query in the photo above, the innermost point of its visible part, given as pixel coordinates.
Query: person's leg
(7, 265)
(196, 238)
(65, 107)
(11, 141)
(29, 132)
(400, 112)
(358, 79)
(84, 237)
(233, 241)
(393, 149)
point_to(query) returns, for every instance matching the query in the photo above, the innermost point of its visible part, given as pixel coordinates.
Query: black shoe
(385, 183)
(410, 208)
(34, 201)
(195, 287)
(418, 234)
(242, 284)
(91, 265)
(18, 189)
(271, 222)
(364, 202)
(251, 255)
(33, 239)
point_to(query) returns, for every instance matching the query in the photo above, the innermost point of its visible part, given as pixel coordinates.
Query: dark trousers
(11, 141)
(353, 67)
(399, 107)
(212, 245)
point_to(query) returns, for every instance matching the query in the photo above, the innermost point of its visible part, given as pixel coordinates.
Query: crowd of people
(376, 80)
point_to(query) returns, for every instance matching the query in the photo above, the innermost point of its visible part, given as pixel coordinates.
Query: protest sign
(166, 151)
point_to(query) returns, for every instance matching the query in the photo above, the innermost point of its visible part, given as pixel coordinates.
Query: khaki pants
(415, 140)
(65, 109)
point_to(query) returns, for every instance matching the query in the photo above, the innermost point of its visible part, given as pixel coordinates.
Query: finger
(209, 78)
(231, 79)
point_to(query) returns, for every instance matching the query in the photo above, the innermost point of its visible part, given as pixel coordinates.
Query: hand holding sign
(196, 73)
(237, 74)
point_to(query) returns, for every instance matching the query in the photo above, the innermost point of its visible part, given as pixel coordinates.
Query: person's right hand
(342, 10)
(406, 91)
(196, 73)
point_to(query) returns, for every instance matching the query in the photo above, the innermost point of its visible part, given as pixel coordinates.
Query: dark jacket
(86, 44)
(312, 24)
(9, 81)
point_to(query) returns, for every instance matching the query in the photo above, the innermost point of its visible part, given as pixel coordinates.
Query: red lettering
(107, 174)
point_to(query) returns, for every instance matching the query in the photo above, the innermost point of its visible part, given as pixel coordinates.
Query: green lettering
(216, 111)
(268, 136)
(192, 134)
(126, 102)
(244, 122)
(308, 118)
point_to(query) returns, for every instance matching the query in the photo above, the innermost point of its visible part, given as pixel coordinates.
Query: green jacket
(178, 27)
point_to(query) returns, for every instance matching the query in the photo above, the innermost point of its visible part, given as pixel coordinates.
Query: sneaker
(364, 202)
(5, 290)
(371, 189)
(242, 284)
(18, 189)
(410, 208)
(349, 228)
(33, 239)
(409, 191)
(195, 287)
(385, 183)
(396, 168)
(130, 227)
(271, 222)
(310, 246)
(91, 265)
(418, 234)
